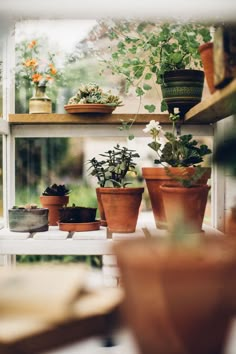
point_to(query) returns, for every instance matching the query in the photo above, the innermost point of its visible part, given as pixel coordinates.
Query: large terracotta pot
(121, 207)
(206, 53)
(54, 203)
(155, 177)
(182, 89)
(184, 207)
(178, 300)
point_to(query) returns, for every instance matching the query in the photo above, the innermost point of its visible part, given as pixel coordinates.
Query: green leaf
(164, 106)
(150, 108)
(139, 91)
(131, 136)
(148, 76)
(147, 87)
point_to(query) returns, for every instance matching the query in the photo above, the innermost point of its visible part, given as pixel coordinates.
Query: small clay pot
(28, 220)
(77, 214)
(54, 203)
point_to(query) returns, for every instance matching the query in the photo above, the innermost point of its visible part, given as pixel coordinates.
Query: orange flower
(31, 62)
(32, 44)
(48, 78)
(53, 70)
(37, 77)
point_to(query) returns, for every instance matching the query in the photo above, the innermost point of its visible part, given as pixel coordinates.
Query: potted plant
(39, 70)
(28, 218)
(92, 98)
(78, 218)
(54, 197)
(119, 202)
(150, 53)
(178, 155)
(185, 203)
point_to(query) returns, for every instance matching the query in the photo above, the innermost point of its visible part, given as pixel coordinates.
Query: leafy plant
(114, 167)
(56, 190)
(144, 51)
(92, 93)
(177, 151)
(174, 150)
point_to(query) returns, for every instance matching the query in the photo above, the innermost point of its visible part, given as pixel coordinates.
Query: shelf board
(85, 118)
(217, 106)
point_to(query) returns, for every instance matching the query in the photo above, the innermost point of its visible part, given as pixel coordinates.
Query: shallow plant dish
(89, 108)
(82, 226)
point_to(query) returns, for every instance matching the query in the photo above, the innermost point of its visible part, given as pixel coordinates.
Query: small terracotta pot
(155, 177)
(206, 53)
(54, 203)
(184, 206)
(178, 300)
(121, 207)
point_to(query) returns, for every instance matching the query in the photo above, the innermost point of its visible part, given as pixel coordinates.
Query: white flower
(152, 125)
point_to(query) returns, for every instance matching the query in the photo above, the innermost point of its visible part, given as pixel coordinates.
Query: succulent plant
(92, 93)
(56, 190)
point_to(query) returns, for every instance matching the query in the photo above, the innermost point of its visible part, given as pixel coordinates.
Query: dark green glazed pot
(182, 89)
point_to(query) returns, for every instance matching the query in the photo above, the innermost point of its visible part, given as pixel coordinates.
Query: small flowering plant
(37, 69)
(172, 149)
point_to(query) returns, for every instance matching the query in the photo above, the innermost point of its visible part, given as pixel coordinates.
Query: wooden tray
(83, 226)
(89, 108)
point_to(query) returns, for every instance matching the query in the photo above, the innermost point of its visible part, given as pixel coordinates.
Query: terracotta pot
(182, 89)
(155, 177)
(121, 207)
(100, 208)
(54, 203)
(184, 207)
(206, 53)
(177, 300)
(231, 222)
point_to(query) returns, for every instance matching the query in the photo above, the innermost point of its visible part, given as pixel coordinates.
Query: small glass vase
(40, 102)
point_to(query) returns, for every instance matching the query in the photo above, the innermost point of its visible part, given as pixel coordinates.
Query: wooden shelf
(219, 105)
(85, 118)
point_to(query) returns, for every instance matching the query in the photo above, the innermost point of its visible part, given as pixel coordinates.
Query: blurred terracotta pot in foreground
(178, 300)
